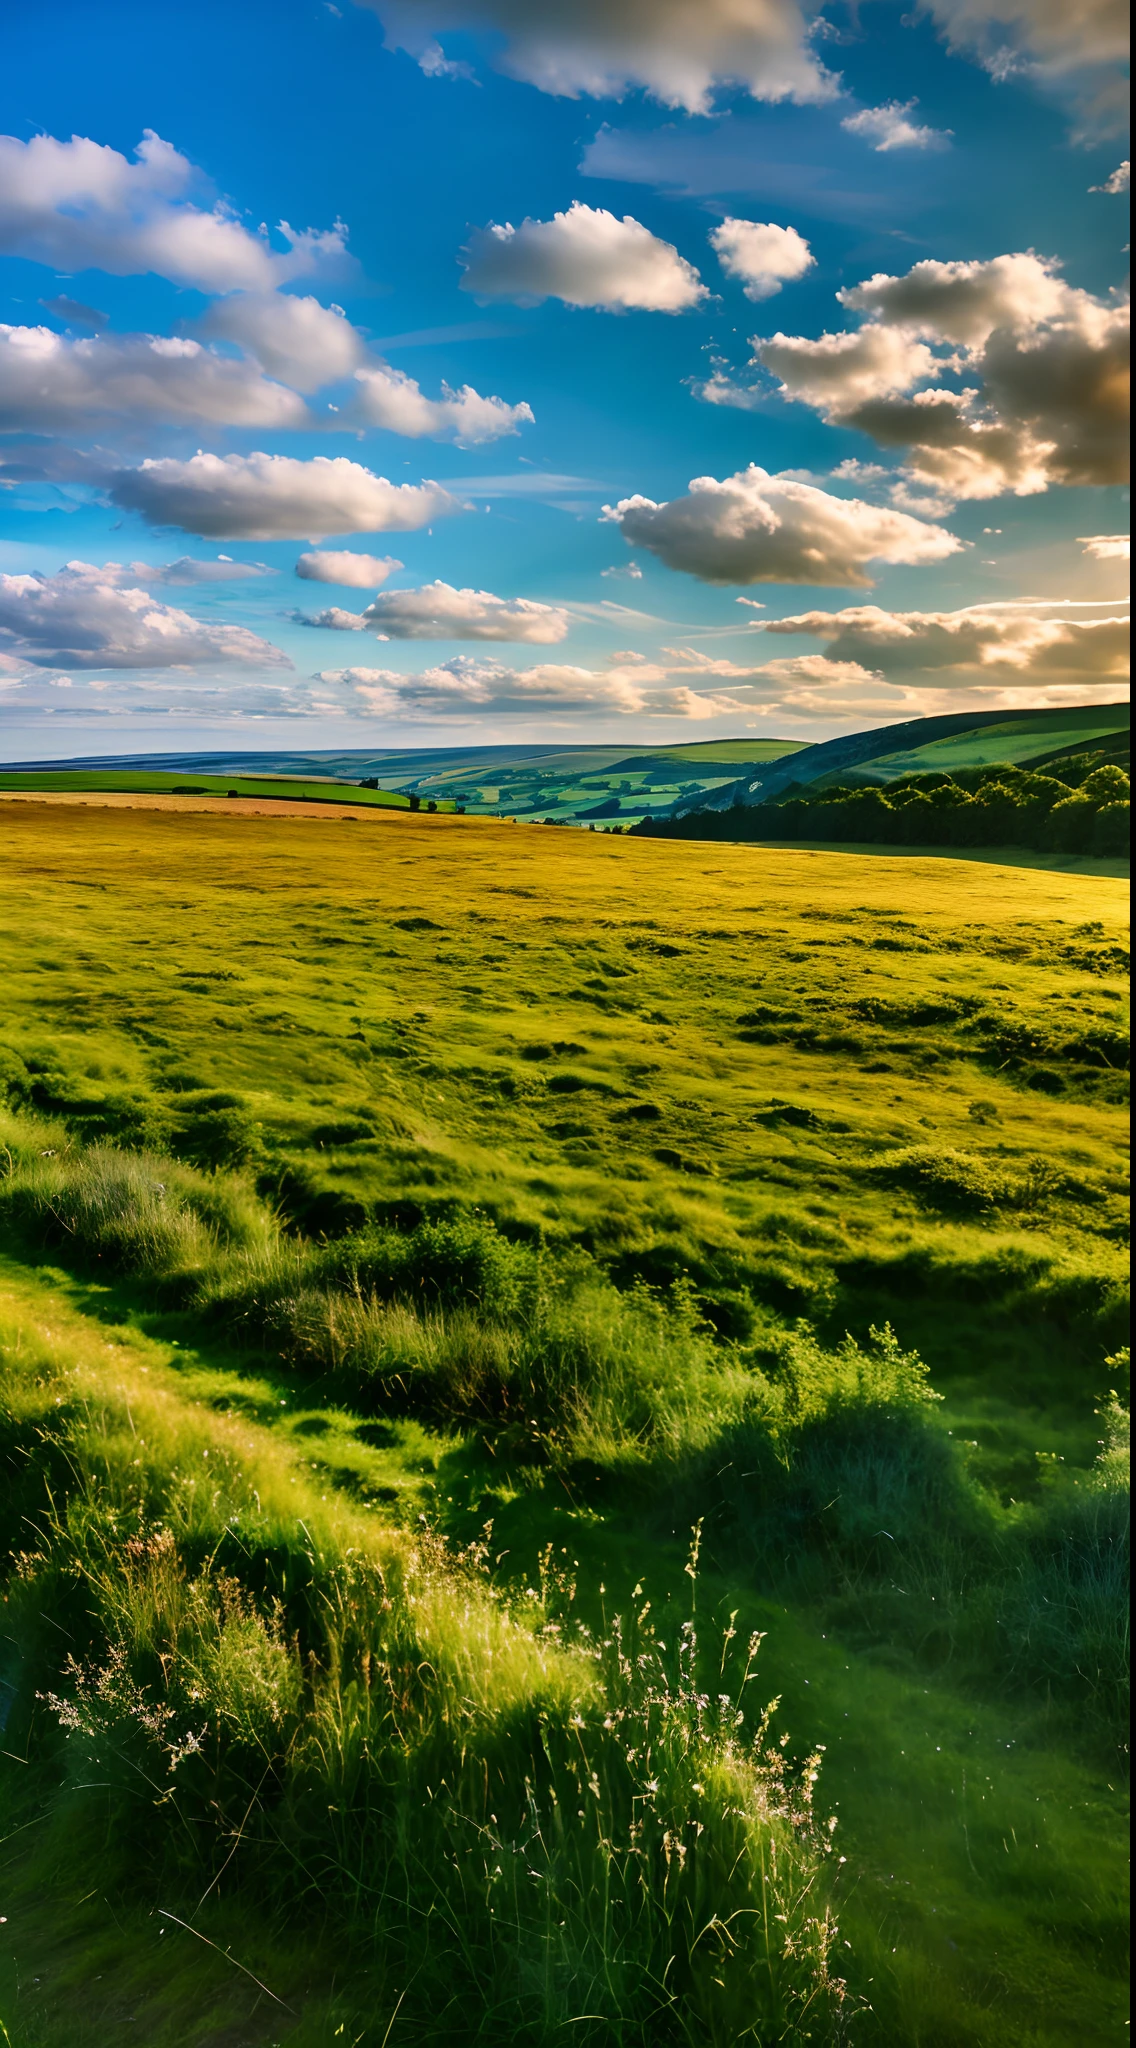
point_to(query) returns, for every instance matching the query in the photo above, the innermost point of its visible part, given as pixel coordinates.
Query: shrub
(943, 1177)
(1112, 830)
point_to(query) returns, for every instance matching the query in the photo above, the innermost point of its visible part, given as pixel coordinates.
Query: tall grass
(269, 1703)
(822, 1466)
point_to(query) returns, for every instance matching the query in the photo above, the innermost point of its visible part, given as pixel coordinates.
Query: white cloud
(673, 50)
(629, 684)
(185, 573)
(1105, 547)
(49, 382)
(388, 398)
(587, 257)
(888, 127)
(1046, 401)
(82, 618)
(964, 302)
(275, 497)
(312, 345)
(762, 255)
(296, 339)
(720, 388)
(438, 612)
(983, 645)
(629, 571)
(471, 684)
(840, 371)
(333, 619)
(757, 528)
(80, 205)
(1117, 180)
(350, 571)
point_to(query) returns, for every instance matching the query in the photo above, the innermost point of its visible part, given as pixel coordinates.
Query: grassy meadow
(154, 782)
(563, 1433)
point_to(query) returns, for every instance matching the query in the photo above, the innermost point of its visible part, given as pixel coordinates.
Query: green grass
(529, 1184)
(1016, 740)
(152, 782)
(716, 751)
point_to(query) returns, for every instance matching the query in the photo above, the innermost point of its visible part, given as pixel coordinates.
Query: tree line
(1078, 805)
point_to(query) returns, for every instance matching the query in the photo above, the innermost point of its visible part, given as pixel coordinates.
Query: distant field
(521, 1187)
(557, 782)
(152, 782)
(724, 752)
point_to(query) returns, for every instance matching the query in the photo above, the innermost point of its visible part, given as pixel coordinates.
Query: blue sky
(545, 262)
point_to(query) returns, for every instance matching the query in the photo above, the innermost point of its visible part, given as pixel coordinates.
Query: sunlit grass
(536, 1181)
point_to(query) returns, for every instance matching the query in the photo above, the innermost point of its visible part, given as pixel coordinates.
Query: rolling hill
(965, 739)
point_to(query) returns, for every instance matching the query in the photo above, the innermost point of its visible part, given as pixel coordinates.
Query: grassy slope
(1018, 740)
(466, 1010)
(726, 751)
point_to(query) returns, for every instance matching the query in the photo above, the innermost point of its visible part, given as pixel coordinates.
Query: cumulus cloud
(630, 683)
(889, 127)
(81, 618)
(468, 684)
(722, 388)
(438, 612)
(275, 497)
(818, 671)
(983, 645)
(761, 255)
(297, 339)
(350, 571)
(1105, 547)
(604, 49)
(757, 528)
(49, 382)
(1045, 397)
(965, 302)
(1067, 386)
(334, 619)
(587, 257)
(311, 345)
(839, 371)
(80, 205)
(388, 398)
(1117, 180)
(953, 451)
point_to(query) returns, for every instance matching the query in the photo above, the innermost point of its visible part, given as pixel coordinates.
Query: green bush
(946, 1178)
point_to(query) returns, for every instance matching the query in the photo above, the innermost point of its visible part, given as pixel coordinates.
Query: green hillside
(1015, 740)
